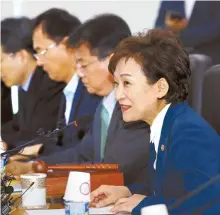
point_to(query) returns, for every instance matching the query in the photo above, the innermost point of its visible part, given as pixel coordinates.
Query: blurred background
(138, 14)
(196, 22)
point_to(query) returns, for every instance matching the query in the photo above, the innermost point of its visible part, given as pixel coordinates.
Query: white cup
(160, 209)
(35, 197)
(78, 187)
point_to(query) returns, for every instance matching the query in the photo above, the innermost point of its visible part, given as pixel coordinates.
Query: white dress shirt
(109, 103)
(69, 92)
(26, 85)
(189, 5)
(156, 128)
(1, 146)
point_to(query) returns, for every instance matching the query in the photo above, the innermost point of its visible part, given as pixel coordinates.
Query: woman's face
(137, 98)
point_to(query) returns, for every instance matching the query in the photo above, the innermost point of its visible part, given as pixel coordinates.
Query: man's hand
(32, 150)
(175, 25)
(17, 168)
(26, 152)
(127, 204)
(106, 195)
(3, 145)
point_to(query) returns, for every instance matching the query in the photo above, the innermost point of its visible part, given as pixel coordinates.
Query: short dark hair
(57, 23)
(16, 34)
(102, 34)
(160, 55)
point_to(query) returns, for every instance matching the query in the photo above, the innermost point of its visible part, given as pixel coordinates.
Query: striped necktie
(104, 129)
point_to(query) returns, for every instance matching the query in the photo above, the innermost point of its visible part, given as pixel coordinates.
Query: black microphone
(7, 189)
(61, 124)
(7, 194)
(80, 123)
(11, 203)
(197, 190)
(6, 206)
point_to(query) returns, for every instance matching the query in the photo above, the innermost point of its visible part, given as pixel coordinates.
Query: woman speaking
(152, 74)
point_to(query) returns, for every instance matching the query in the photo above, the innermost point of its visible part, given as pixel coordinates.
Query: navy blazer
(188, 156)
(84, 106)
(202, 34)
(127, 145)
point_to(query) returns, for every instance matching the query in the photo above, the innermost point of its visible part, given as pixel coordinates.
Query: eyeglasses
(44, 51)
(10, 55)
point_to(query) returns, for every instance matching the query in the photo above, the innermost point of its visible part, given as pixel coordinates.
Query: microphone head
(61, 123)
(8, 189)
(40, 132)
(81, 134)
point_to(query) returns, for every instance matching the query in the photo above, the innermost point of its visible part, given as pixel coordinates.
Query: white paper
(46, 212)
(104, 210)
(92, 211)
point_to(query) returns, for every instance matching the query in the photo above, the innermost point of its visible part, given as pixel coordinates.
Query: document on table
(92, 211)
(46, 212)
(104, 210)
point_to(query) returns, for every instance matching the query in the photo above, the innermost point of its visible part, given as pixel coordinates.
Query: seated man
(38, 106)
(51, 31)
(110, 140)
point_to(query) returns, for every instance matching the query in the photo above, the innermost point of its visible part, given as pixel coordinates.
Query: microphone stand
(37, 140)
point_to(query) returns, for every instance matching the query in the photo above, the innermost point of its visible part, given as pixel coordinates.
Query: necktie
(23, 103)
(104, 129)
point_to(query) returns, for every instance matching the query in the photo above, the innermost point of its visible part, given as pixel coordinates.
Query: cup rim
(33, 175)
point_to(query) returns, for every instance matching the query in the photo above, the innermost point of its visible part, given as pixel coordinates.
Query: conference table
(51, 205)
(55, 209)
(57, 179)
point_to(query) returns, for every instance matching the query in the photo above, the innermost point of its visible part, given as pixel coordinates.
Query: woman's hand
(106, 195)
(127, 204)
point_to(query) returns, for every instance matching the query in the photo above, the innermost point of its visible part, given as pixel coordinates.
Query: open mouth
(125, 107)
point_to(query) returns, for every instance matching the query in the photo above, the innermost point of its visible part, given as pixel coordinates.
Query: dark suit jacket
(203, 31)
(189, 159)
(38, 108)
(127, 145)
(84, 106)
(6, 105)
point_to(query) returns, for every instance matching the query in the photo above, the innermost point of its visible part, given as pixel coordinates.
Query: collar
(109, 102)
(72, 85)
(157, 125)
(26, 85)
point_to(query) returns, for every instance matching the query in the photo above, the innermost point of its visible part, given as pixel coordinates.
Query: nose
(39, 59)
(80, 73)
(119, 93)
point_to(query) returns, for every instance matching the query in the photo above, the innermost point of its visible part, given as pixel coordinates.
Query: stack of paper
(93, 211)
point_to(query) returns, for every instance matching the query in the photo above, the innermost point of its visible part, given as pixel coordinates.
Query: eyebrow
(80, 60)
(125, 74)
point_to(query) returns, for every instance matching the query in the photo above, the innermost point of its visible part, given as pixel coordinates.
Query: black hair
(102, 34)
(57, 23)
(16, 34)
(160, 55)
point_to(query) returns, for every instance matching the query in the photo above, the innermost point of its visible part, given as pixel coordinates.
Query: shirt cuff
(148, 201)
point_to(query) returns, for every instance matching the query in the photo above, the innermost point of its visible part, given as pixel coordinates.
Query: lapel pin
(162, 148)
